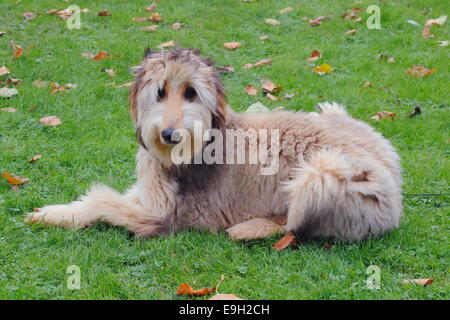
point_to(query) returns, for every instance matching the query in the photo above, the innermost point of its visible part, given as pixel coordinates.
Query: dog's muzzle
(170, 136)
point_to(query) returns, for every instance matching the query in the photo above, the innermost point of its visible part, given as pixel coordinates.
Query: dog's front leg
(256, 228)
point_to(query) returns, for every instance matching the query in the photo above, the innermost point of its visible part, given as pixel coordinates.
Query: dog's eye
(190, 93)
(161, 93)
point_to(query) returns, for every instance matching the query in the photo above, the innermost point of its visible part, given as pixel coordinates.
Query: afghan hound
(333, 176)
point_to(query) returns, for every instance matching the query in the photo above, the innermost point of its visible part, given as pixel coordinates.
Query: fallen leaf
(17, 51)
(225, 296)
(315, 22)
(269, 86)
(14, 180)
(353, 31)
(231, 45)
(257, 64)
(2, 33)
(419, 71)
(35, 158)
(356, 9)
(288, 9)
(367, 85)
(351, 16)
(104, 13)
(8, 92)
(186, 289)
(32, 108)
(52, 11)
(426, 33)
(151, 28)
(155, 17)
(264, 38)
(4, 70)
(85, 10)
(13, 82)
(251, 90)
(101, 55)
(226, 69)
(51, 121)
(436, 22)
(416, 111)
(272, 97)
(29, 15)
(140, 19)
(110, 72)
(287, 241)
(443, 43)
(323, 69)
(166, 44)
(151, 7)
(40, 83)
(272, 22)
(314, 56)
(422, 282)
(126, 85)
(176, 26)
(8, 109)
(383, 115)
(391, 60)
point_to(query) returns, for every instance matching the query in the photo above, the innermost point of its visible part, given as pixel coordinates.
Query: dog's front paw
(56, 215)
(256, 228)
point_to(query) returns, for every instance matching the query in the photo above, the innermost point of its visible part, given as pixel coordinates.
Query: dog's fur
(337, 177)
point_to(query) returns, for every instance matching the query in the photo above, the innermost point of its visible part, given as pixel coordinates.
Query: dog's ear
(221, 113)
(137, 84)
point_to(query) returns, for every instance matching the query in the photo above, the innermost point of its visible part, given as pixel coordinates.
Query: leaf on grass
(155, 17)
(14, 180)
(104, 13)
(288, 9)
(419, 71)
(6, 92)
(140, 19)
(367, 85)
(436, 22)
(29, 15)
(151, 28)
(166, 44)
(352, 31)
(443, 43)
(383, 115)
(257, 64)
(272, 22)
(151, 7)
(51, 121)
(101, 55)
(351, 16)
(287, 241)
(323, 69)
(55, 87)
(314, 56)
(264, 38)
(40, 83)
(17, 51)
(225, 69)
(35, 158)
(176, 26)
(225, 296)
(416, 111)
(12, 82)
(251, 90)
(8, 109)
(4, 70)
(231, 45)
(186, 289)
(314, 22)
(272, 97)
(110, 72)
(125, 85)
(422, 282)
(269, 86)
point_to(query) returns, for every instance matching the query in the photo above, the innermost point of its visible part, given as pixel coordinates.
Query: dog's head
(173, 90)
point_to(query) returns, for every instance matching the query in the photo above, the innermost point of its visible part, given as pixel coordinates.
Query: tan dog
(334, 175)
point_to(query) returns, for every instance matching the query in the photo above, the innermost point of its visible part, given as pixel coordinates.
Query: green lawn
(96, 143)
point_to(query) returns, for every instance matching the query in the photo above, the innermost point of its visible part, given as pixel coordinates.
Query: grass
(96, 143)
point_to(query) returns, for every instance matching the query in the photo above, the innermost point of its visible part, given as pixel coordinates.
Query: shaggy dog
(336, 177)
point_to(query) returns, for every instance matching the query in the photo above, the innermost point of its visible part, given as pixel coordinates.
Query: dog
(335, 176)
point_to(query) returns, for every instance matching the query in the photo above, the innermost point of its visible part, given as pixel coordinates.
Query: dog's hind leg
(253, 229)
(101, 204)
(342, 196)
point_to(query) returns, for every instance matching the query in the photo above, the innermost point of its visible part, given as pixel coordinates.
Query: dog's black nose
(170, 135)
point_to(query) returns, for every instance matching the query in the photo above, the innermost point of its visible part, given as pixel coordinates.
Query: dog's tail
(332, 108)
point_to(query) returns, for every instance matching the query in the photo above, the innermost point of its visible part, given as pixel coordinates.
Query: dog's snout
(170, 135)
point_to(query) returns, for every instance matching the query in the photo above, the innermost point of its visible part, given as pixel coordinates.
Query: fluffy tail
(332, 108)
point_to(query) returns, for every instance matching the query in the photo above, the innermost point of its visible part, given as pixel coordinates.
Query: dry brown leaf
(257, 64)
(17, 51)
(436, 22)
(155, 17)
(4, 70)
(29, 15)
(367, 85)
(225, 296)
(351, 16)
(383, 115)
(353, 31)
(151, 28)
(14, 180)
(101, 55)
(314, 56)
(426, 33)
(52, 11)
(288, 9)
(140, 19)
(264, 38)
(176, 26)
(13, 82)
(35, 158)
(269, 86)
(186, 289)
(272, 22)
(272, 97)
(231, 45)
(251, 90)
(422, 282)
(314, 22)
(126, 85)
(225, 69)
(8, 109)
(151, 7)
(287, 241)
(166, 44)
(51, 121)
(324, 68)
(40, 83)
(419, 71)
(104, 13)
